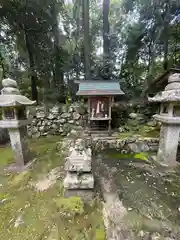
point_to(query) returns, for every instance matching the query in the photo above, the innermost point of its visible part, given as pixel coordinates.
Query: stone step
(97, 133)
(76, 153)
(81, 166)
(84, 181)
(78, 165)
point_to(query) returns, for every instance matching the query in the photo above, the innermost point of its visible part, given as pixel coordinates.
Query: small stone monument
(14, 118)
(79, 179)
(170, 120)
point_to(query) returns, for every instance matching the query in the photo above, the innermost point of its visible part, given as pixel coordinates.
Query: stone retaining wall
(59, 120)
(65, 119)
(128, 145)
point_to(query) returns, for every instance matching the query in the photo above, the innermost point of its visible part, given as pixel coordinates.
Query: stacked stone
(79, 177)
(59, 120)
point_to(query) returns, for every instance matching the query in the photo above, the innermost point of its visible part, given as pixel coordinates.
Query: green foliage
(44, 40)
(100, 234)
(143, 156)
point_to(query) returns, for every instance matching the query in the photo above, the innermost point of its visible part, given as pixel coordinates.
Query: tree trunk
(166, 43)
(162, 29)
(166, 35)
(153, 56)
(77, 55)
(86, 39)
(2, 66)
(106, 42)
(34, 90)
(58, 74)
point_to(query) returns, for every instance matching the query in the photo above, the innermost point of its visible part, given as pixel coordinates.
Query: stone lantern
(14, 118)
(169, 117)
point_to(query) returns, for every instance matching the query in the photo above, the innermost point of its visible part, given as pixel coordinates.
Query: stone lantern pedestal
(15, 119)
(169, 117)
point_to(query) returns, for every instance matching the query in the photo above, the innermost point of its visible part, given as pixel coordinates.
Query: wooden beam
(100, 119)
(89, 116)
(109, 123)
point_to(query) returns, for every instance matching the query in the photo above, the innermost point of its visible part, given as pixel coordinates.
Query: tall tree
(58, 75)
(85, 4)
(166, 33)
(22, 19)
(32, 65)
(3, 67)
(106, 40)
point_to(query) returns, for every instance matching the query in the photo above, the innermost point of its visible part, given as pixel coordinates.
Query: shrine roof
(99, 88)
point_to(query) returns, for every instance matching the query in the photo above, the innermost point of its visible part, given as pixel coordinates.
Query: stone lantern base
(21, 152)
(168, 144)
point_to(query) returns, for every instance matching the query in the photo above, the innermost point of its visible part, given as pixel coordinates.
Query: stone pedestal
(168, 144)
(21, 152)
(79, 161)
(79, 180)
(73, 180)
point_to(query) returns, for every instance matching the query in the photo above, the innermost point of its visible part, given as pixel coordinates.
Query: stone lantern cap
(171, 92)
(11, 96)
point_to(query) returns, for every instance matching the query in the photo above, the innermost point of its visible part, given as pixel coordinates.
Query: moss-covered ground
(29, 214)
(141, 131)
(150, 193)
(115, 154)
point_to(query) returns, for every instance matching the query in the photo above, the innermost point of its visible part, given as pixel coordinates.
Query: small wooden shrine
(100, 96)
